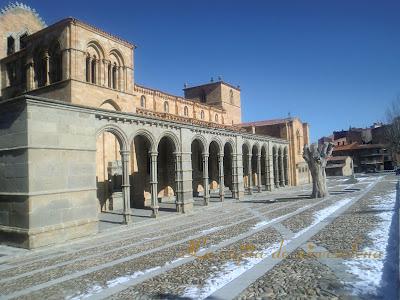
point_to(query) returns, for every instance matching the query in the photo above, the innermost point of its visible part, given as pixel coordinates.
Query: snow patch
(212, 229)
(229, 272)
(369, 271)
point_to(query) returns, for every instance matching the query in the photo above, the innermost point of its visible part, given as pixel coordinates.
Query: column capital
(205, 155)
(153, 153)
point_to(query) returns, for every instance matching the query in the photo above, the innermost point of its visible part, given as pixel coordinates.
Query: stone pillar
(30, 74)
(179, 183)
(259, 173)
(221, 177)
(281, 172)
(47, 66)
(285, 168)
(89, 70)
(267, 173)
(235, 183)
(276, 173)
(65, 64)
(153, 183)
(250, 178)
(125, 185)
(105, 67)
(205, 179)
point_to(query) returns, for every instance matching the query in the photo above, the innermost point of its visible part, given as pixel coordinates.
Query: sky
(333, 64)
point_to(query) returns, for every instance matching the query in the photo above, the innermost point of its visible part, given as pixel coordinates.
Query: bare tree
(393, 129)
(316, 157)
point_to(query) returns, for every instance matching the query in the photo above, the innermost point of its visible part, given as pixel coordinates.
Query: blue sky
(334, 64)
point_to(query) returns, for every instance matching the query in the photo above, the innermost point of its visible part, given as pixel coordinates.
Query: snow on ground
(230, 271)
(205, 231)
(369, 271)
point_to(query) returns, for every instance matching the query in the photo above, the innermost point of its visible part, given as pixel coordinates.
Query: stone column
(105, 66)
(276, 173)
(285, 168)
(250, 178)
(267, 173)
(235, 183)
(30, 74)
(65, 64)
(89, 70)
(179, 183)
(125, 185)
(47, 66)
(205, 179)
(153, 183)
(259, 173)
(281, 172)
(221, 177)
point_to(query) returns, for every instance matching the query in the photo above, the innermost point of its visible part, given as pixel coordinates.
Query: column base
(184, 208)
(154, 214)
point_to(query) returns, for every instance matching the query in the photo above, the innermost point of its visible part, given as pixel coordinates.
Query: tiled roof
(356, 146)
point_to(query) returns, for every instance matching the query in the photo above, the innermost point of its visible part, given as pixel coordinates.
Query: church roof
(267, 122)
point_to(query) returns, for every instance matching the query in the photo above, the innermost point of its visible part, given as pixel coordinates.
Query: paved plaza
(272, 245)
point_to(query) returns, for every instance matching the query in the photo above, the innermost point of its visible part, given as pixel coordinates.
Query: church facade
(79, 136)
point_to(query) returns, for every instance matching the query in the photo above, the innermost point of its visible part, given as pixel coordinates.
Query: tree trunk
(316, 157)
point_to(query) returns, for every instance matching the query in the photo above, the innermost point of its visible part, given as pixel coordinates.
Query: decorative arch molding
(257, 145)
(247, 144)
(115, 53)
(112, 103)
(202, 140)
(173, 137)
(219, 143)
(265, 147)
(146, 134)
(232, 144)
(96, 46)
(118, 132)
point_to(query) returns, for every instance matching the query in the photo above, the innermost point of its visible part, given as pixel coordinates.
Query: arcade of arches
(147, 173)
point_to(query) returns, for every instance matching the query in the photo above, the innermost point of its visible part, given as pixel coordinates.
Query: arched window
(93, 71)
(216, 118)
(22, 42)
(166, 106)
(40, 67)
(202, 115)
(231, 96)
(143, 101)
(298, 142)
(55, 63)
(114, 76)
(88, 68)
(10, 45)
(186, 111)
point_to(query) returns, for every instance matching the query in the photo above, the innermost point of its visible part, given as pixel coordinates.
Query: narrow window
(231, 96)
(143, 101)
(94, 69)
(202, 115)
(298, 142)
(166, 107)
(10, 45)
(22, 41)
(216, 118)
(88, 69)
(114, 77)
(186, 111)
(109, 75)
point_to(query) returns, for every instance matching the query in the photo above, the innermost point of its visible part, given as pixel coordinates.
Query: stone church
(79, 136)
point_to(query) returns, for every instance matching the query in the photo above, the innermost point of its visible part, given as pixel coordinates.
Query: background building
(339, 166)
(297, 134)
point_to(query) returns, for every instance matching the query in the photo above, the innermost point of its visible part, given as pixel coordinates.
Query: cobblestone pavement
(227, 250)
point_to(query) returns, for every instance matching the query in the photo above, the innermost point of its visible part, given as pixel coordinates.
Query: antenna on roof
(185, 85)
(212, 79)
(219, 78)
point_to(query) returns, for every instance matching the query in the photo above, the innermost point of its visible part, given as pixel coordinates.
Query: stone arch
(147, 134)
(118, 132)
(110, 171)
(117, 56)
(219, 143)
(110, 102)
(173, 137)
(93, 47)
(232, 144)
(202, 141)
(167, 147)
